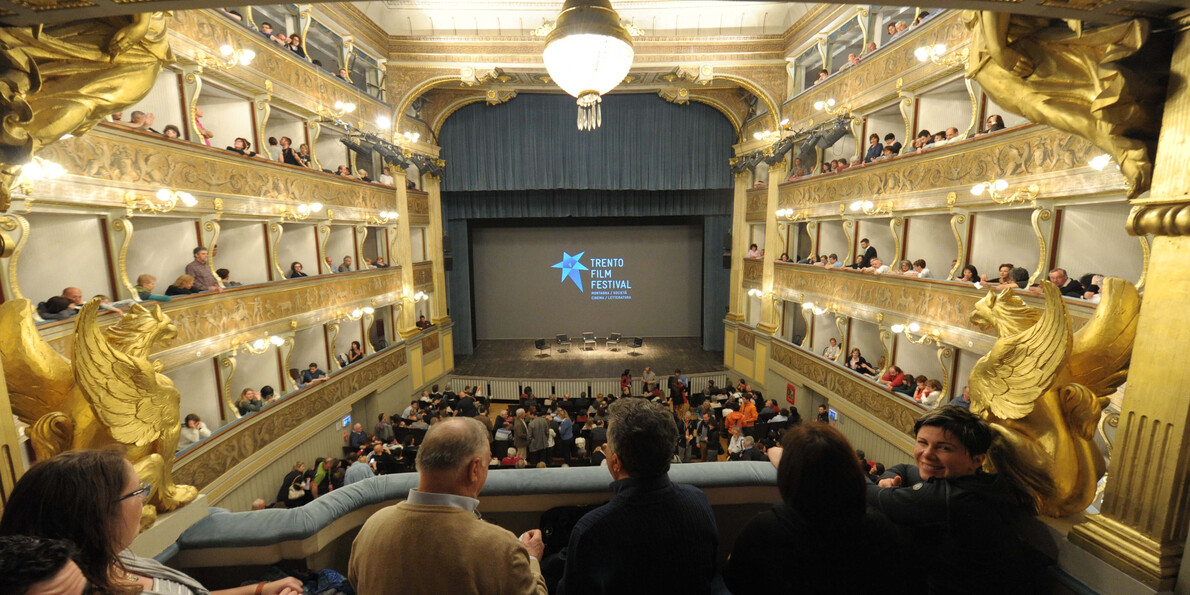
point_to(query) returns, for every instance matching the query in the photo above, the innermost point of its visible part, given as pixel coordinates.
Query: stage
(518, 358)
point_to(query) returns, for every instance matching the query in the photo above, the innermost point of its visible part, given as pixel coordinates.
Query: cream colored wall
(866, 337)
(883, 122)
(309, 345)
(281, 124)
(164, 101)
(832, 239)
(751, 310)
(161, 247)
(918, 360)
(755, 235)
(330, 152)
(256, 371)
(228, 118)
(63, 250)
(242, 251)
(824, 330)
(372, 243)
(941, 108)
(1010, 119)
(298, 243)
(878, 232)
(931, 239)
(348, 331)
(1092, 240)
(1003, 237)
(791, 320)
(199, 388)
(341, 243)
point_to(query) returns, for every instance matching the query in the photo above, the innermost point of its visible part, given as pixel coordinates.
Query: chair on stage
(614, 338)
(563, 340)
(542, 345)
(637, 342)
(589, 340)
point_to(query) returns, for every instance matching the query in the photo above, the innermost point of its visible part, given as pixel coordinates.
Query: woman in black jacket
(294, 481)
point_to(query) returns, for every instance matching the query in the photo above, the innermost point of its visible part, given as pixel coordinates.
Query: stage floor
(518, 358)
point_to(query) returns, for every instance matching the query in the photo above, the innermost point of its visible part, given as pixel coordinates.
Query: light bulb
(818, 105)
(857, 205)
(52, 170)
(785, 121)
(32, 171)
(808, 306)
(356, 313)
(225, 50)
(1001, 185)
(922, 54)
(868, 205)
(831, 102)
(349, 107)
(1100, 162)
(259, 344)
(303, 209)
(939, 49)
(756, 135)
(898, 328)
(338, 105)
(163, 194)
(977, 190)
(369, 310)
(187, 199)
(275, 340)
(914, 327)
(315, 207)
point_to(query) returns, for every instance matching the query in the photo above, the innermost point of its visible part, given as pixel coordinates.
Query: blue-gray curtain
(716, 280)
(585, 203)
(532, 142)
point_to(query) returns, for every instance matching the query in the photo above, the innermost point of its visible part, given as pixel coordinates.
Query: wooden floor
(519, 359)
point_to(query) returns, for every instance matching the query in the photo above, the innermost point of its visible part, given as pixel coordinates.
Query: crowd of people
(894, 30)
(292, 42)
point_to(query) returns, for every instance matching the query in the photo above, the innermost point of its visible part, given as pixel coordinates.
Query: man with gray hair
(520, 433)
(435, 541)
(614, 548)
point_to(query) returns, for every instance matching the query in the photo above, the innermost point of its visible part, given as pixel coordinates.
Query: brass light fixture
(300, 212)
(163, 201)
(260, 346)
(995, 191)
(908, 330)
(870, 208)
(231, 58)
(937, 54)
(588, 53)
(383, 218)
(828, 106)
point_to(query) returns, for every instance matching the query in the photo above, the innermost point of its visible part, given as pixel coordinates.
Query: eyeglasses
(143, 492)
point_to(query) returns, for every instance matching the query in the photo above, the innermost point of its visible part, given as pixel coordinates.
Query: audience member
(613, 549)
(304, 155)
(852, 60)
(266, 29)
(346, 266)
(249, 402)
(288, 155)
(355, 353)
(171, 131)
(312, 374)
(455, 551)
(869, 252)
(360, 470)
(920, 270)
(193, 430)
(922, 139)
(1069, 287)
(202, 130)
(823, 415)
(37, 566)
(295, 271)
(422, 323)
(93, 499)
(145, 284)
(754, 252)
(893, 377)
(877, 267)
(822, 75)
(820, 529)
(385, 177)
(63, 306)
(890, 141)
(295, 45)
(200, 270)
(970, 274)
(932, 395)
(904, 268)
(875, 149)
(183, 285)
(960, 518)
(224, 276)
(831, 351)
(243, 147)
(963, 400)
(995, 123)
(539, 438)
(343, 75)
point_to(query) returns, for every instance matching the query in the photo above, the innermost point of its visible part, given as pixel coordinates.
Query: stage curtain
(521, 204)
(532, 142)
(716, 280)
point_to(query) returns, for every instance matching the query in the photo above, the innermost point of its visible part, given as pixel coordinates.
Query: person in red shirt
(893, 378)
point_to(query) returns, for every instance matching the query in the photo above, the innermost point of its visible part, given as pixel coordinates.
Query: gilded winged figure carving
(1071, 78)
(111, 394)
(1043, 388)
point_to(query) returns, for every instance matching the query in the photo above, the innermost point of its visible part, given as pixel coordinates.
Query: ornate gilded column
(808, 316)
(361, 235)
(908, 100)
(960, 226)
(1044, 223)
(210, 238)
(849, 229)
(227, 369)
(191, 89)
(896, 224)
(843, 324)
(946, 360)
(367, 322)
(333, 329)
(812, 231)
(122, 227)
(262, 107)
(273, 231)
(284, 352)
(433, 186)
(406, 321)
(886, 344)
(1142, 525)
(313, 129)
(769, 323)
(305, 17)
(739, 246)
(10, 252)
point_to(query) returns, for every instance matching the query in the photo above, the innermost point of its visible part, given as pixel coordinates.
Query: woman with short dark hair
(295, 271)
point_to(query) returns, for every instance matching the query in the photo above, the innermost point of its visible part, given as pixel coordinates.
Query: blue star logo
(571, 265)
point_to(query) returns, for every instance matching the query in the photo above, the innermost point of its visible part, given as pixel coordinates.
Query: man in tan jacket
(435, 542)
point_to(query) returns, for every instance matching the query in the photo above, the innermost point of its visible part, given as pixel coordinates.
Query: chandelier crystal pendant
(588, 53)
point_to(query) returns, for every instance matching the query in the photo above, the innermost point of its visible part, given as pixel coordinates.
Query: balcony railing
(209, 323)
(423, 276)
(230, 445)
(944, 306)
(220, 180)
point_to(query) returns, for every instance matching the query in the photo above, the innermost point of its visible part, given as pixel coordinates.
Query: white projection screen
(636, 280)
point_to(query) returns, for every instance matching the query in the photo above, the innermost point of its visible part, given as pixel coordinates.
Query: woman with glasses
(93, 498)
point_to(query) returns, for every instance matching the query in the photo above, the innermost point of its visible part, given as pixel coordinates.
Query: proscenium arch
(755, 89)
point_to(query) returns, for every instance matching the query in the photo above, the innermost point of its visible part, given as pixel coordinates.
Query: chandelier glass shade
(588, 54)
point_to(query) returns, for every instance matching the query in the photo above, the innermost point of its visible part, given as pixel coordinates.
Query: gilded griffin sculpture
(1043, 389)
(109, 395)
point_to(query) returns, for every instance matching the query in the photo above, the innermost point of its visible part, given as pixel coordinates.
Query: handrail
(555, 387)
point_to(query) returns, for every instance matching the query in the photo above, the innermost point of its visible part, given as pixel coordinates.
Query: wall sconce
(384, 122)
(259, 346)
(163, 202)
(789, 215)
(870, 208)
(359, 313)
(383, 218)
(231, 57)
(828, 106)
(818, 310)
(1100, 162)
(300, 212)
(408, 138)
(936, 54)
(995, 189)
(341, 108)
(913, 327)
(37, 170)
(767, 136)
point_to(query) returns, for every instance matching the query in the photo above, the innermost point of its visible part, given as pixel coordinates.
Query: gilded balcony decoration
(294, 81)
(234, 443)
(1056, 161)
(419, 206)
(745, 338)
(946, 305)
(429, 343)
(753, 271)
(62, 79)
(870, 83)
(1044, 388)
(108, 393)
(834, 379)
(126, 157)
(757, 203)
(423, 276)
(1073, 80)
(210, 323)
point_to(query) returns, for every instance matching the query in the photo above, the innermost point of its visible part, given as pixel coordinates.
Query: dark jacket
(965, 527)
(654, 536)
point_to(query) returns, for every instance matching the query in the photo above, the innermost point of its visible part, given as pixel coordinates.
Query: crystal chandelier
(588, 53)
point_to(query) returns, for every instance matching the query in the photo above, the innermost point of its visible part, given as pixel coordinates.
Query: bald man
(435, 541)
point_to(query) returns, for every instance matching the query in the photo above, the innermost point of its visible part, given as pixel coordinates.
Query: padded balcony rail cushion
(223, 529)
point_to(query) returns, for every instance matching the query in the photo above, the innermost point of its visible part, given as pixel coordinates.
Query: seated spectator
(410, 184)
(512, 459)
(871, 47)
(995, 123)
(675, 517)
(922, 139)
(748, 451)
(1003, 282)
(875, 149)
(346, 266)
(459, 552)
(1091, 287)
(891, 29)
(330, 266)
(831, 351)
(920, 270)
(193, 430)
(171, 131)
(274, 147)
(904, 268)
(970, 274)
(304, 155)
(243, 147)
(184, 285)
(295, 45)
(921, 16)
(888, 153)
(295, 271)
(357, 438)
(890, 141)
(343, 75)
(140, 121)
(312, 374)
(901, 27)
(832, 261)
(876, 268)
(249, 402)
(281, 39)
(822, 75)
(268, 394)
(907, 386)
(422, 323)
(1069, 287)
(145, 284)
(200, 272)
(266, 29)
(356, 353)
(344, 171)
(932, 395)
(880, 365)
(93, 499)
(962, 519)
(843, 164)
(363, 175)
(225, 278)
(963, 400)
(63, 306)
(380, 263)
(821, 527)
(938, 139)
(385, 177)
(754, 252)
(852, 60)
(920, 389)
(892, 378)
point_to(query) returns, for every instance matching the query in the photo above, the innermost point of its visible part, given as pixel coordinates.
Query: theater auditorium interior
(849, 287)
